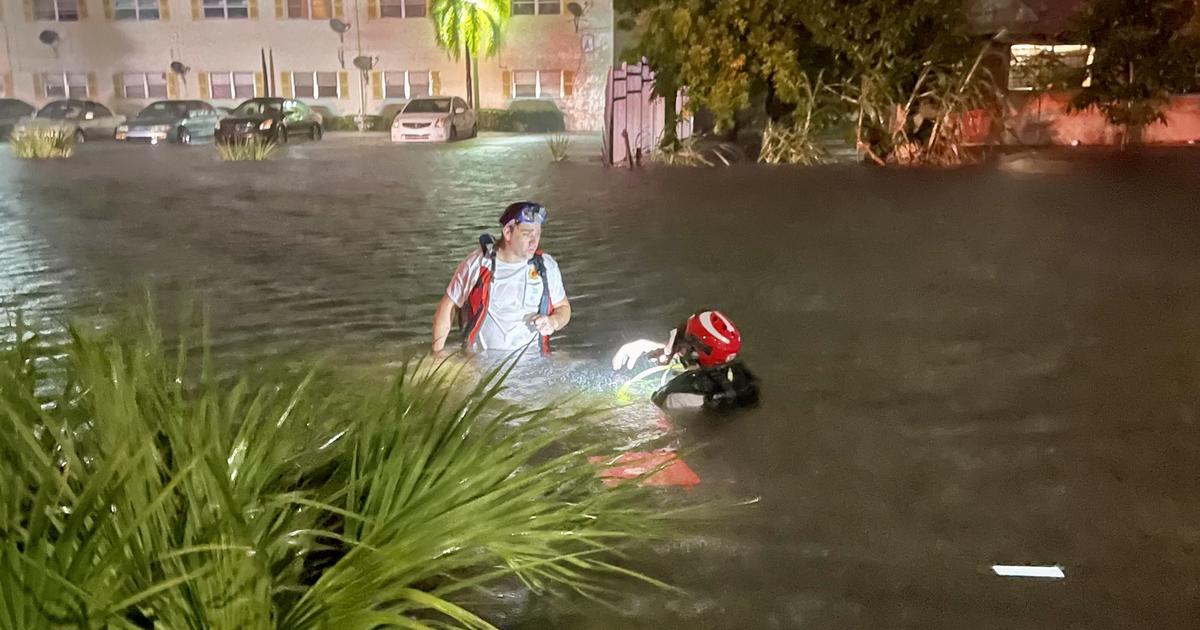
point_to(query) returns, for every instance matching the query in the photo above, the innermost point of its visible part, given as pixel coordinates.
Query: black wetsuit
(726, 386)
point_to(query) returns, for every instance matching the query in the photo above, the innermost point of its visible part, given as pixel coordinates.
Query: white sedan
(434, 119)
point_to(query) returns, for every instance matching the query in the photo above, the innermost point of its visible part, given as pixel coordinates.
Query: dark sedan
(12, 110)
(279, 120)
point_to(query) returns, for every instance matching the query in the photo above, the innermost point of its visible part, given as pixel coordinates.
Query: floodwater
(997, 364)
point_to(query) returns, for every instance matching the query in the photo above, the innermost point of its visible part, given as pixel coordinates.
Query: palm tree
(471, 27)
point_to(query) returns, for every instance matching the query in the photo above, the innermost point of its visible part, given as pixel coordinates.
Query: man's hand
(544, 325)
(629, 353)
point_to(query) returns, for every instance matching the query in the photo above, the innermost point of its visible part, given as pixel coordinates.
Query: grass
(559, 145)
(143, 489)
(41, 144)
(254, 150)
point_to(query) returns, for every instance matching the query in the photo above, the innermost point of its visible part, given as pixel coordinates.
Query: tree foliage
(1145, 50)
(473, 28)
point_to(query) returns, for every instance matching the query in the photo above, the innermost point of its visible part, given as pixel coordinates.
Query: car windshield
(164, 109)
(428, 106)
(258, 108)
(61, 110)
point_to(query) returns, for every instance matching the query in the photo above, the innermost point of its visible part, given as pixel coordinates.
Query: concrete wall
(102, 47)
(1042, 119)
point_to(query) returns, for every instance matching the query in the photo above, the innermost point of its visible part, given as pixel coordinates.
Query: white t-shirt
(516, 295)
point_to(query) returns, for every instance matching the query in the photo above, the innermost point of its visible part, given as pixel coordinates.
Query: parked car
(12, 110)
(223, 112)
(277, 119)
(86, 120)
(171, 121)
(434, 119)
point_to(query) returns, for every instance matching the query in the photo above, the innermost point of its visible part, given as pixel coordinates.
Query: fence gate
(633, 115)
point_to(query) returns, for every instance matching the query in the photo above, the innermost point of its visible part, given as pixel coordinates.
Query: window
(65, 85)
(226, 9)
(315, 84)
(402, 8)
(536, 7)
(144, 85)
(525, 84)
(231, 85)
(96, 110)
(410, 84)
(135, 9)
(541, 83)
(56, 10)
(309, 9)
(1046, 67)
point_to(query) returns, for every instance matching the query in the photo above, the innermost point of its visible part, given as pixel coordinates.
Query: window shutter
(164, 10)
(8, 86)
(253, 9)
(39, 86)
(196, 14)
(280, 9)
(506, 79)
(172, 85)
(202, 83)
(435, 83)
(118, 86)
(338, 10)
(568, 86)
(83, 12)
(258, 84)
(108, 13)
(373, 9)
(344, 84)
(285, 85)
(29, 13)
(377, 85)
(93, 89)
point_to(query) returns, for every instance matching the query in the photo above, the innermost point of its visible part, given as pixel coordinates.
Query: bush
(255, 150)
(42, 144)
(141, 492)
(559, 144)
(523, 116)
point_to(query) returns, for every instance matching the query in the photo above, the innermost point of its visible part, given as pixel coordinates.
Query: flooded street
(960, 368)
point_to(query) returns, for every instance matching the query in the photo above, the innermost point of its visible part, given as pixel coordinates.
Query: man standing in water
(507, 294)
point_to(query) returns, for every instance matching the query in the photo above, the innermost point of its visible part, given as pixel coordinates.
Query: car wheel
(183, 136)
(281, 135)
(474, 130)
(80, 138)
(316, 132)
(453, 133)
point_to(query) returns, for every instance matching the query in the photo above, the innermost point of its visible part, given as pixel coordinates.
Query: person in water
(706, 344)
(506, 293)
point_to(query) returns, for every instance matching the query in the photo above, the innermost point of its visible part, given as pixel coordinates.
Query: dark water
(988, 365)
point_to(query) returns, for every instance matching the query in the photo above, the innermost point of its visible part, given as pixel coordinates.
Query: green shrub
(523, 116)
(42, 144)
(143, 490)
(559, 144)
(254, 150)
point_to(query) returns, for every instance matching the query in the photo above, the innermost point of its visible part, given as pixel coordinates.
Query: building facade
(120, 52)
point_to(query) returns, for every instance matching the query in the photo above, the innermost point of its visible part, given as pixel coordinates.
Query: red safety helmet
(712, 338)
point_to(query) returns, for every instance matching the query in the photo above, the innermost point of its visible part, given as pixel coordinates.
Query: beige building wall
(102, 48)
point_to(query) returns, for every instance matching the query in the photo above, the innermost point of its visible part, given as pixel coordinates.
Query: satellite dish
(575, 9)
(48, 38)
(363, 62)
(338, 26)
(179, 68)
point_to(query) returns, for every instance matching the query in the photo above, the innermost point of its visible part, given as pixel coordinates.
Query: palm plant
(470, 28)
(142, 488)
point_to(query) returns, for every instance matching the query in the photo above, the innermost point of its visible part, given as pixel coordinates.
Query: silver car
(434, 119)
(171, 121)
(85, 120)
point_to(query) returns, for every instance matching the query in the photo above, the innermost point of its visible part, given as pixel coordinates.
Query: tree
(470, 28)
(1144, 52)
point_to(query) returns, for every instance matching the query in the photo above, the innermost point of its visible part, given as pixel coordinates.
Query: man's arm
(549, 324)
(443, 319)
